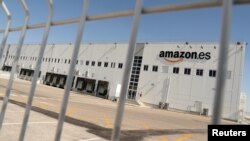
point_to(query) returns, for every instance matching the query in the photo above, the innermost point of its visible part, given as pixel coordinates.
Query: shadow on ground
(126, 135)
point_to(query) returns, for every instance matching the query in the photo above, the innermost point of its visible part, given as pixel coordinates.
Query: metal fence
(136, 13)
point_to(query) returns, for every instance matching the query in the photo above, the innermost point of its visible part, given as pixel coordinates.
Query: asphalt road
(97, 115)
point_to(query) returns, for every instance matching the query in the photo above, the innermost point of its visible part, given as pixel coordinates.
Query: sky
(200, 25)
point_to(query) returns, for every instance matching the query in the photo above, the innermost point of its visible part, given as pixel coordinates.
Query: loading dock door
(62, 81)
(102, 88)
(80, 83)
(55, 80)
(29, 73)
(90, 86)
(47, 79)
(22, 74)
(6, 68)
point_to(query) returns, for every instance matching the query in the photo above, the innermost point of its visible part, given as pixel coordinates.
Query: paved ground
(95, 116)
(40, 128)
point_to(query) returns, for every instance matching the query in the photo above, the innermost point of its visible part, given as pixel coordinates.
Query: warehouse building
(179, 76)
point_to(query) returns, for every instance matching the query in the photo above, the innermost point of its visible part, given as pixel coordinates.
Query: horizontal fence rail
(152, 10)
(137, 12)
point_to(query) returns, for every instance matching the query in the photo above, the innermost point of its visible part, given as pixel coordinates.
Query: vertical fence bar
(6, 31)
(3, 43)
(222, 64)
(15, 62)
(37, 70)
(71, 70)
(127, 71)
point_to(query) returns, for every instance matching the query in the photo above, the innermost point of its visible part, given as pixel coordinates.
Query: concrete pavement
(97, 115)
(40, 127)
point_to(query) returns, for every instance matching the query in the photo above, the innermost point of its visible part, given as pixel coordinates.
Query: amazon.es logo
(177, 56)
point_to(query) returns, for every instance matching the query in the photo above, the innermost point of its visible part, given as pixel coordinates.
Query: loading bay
(90, 118)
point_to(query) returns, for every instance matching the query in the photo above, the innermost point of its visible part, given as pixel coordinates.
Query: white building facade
(181, 75)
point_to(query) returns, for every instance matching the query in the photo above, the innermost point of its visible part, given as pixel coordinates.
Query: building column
(74, 83)
(96, 85)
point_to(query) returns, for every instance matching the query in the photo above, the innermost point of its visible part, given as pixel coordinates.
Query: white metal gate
(136, 13)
